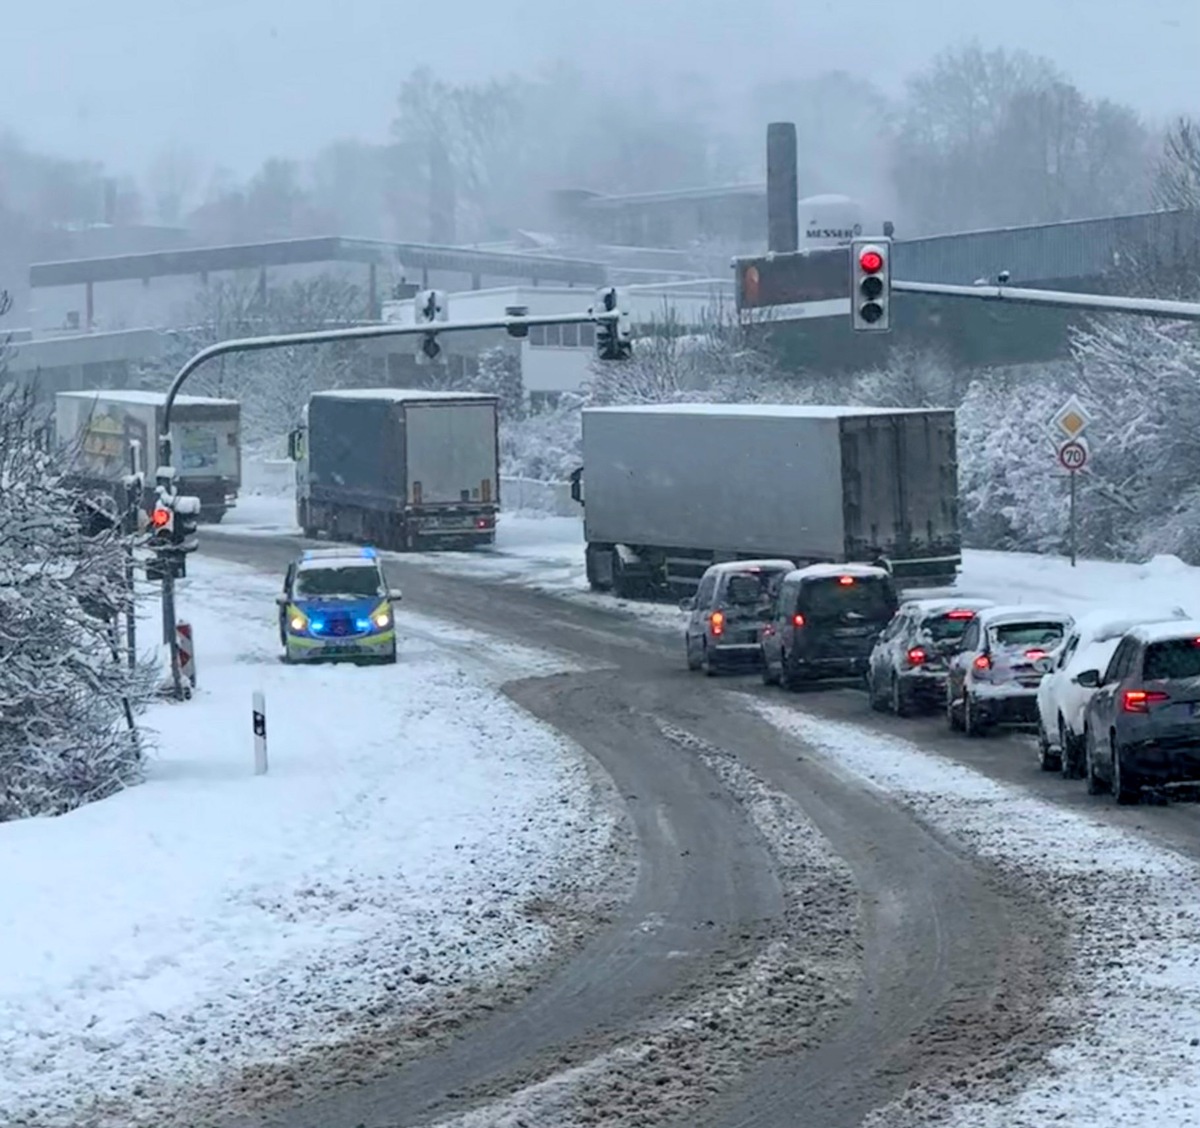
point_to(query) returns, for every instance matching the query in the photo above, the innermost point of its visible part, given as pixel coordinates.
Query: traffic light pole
(515, 326)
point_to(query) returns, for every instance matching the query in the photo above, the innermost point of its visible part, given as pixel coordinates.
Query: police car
(336, 604)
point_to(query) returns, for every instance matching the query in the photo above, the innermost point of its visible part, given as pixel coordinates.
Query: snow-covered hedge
(65, 736)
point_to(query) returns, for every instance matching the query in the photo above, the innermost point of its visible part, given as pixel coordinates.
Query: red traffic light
(160, 518)
(871, 261)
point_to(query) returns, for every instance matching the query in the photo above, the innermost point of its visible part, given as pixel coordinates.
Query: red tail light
(797, 620)
(717, 621)
(983, 662)
(1140, 700)
(1034, 655)
(960, 614)
(845, 581)
(917, 656)
(483, 522)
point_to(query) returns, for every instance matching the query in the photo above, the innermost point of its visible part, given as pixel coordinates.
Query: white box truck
(399, 468)
(97, 430)
(668, 489)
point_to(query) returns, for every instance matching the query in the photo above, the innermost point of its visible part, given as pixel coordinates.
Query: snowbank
(210, 919)
(1135, 911)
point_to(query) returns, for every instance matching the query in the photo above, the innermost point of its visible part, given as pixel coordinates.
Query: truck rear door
(900, 485)
(452, 454)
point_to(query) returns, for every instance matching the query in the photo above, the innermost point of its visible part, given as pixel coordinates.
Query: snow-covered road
(396, 861)
(1133, 909)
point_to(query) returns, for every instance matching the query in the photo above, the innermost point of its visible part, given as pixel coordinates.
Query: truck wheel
(597, 561)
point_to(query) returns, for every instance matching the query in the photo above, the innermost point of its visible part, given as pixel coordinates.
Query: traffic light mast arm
(354, 333)
(1063, 299)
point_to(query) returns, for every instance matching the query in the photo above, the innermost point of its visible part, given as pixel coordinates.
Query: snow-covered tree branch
(65, 737)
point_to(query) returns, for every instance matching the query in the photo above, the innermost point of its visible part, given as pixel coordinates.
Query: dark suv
(824, 622)
(1142, 724)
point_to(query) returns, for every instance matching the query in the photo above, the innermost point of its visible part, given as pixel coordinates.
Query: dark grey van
(824, 622)
(730, 605)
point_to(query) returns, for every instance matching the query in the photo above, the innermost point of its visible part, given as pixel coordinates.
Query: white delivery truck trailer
(98, 429)
(668, 489)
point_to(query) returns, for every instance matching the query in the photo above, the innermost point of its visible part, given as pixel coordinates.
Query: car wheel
(953, 720)
(1068, 751)
(972, 724)
(1124, 783)
(901, 700)
(788, 677)
(873, 695)
(693, 663)
(708, 663)
(1048, 761)
(769, 676)
(1095, 785)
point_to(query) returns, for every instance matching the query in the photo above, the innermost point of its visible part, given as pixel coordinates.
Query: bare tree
(272, 386)
(1177, 179)
(173, 180)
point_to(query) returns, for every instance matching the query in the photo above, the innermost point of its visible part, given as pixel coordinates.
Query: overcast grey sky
(239, 80)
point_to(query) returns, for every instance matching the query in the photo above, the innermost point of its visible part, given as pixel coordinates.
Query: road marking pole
(260, 733)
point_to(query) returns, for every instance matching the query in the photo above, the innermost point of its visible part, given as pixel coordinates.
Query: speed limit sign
(1072, 455)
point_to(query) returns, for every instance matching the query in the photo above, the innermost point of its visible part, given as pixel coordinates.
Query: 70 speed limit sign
(1072, 455)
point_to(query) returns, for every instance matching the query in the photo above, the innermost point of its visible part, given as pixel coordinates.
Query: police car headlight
(298, 622)
(382, 619)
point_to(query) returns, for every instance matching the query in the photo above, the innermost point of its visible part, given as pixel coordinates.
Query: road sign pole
(1072, 543)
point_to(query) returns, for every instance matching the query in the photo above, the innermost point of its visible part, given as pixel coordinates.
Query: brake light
(983, 662)
(1034, 655)
(717, 621)
(917, 656)
(960, 614)
(845, 581)
(483, 522)
(797, 620)
(1140, 700)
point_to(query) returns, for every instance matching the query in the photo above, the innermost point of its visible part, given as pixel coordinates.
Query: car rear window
(869, 598)
(353, 580)
(1029, 634)
(1172, 658)
(943, 628)
(749, 588)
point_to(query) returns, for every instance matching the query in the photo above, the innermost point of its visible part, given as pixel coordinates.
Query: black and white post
(260, 733)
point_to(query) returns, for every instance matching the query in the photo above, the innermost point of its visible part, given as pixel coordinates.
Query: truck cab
(298, 453)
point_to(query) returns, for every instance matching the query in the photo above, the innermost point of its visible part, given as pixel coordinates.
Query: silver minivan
(729, 608)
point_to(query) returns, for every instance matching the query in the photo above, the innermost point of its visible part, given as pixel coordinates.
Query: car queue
(1113, 697)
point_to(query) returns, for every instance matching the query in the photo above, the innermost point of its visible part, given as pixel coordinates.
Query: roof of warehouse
(292, 252)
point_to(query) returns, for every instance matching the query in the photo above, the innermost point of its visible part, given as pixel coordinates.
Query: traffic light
(614, 339)
(430, 306)
(161, 525)
(871, 285)
(187, 517)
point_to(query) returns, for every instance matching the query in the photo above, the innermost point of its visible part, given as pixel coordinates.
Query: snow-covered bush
(546, 445)
(66, 737)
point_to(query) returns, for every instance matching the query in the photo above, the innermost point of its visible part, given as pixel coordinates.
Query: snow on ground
(1135, 908)
(210, 919)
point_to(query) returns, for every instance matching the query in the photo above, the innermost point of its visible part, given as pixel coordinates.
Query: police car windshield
(345, 580)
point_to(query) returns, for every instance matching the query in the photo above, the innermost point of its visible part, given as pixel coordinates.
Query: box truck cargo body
(399, 468)
(98, 429)
(669, 489)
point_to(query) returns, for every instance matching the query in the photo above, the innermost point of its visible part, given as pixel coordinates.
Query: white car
(1061, 702)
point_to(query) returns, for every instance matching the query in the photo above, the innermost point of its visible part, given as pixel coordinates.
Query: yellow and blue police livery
(337, 605)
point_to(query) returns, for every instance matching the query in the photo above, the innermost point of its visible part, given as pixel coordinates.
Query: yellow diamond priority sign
(1071, 419)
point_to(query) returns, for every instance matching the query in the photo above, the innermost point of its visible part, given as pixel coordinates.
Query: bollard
(260, 733)
(186, 647)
